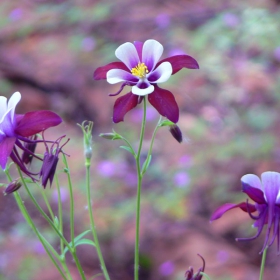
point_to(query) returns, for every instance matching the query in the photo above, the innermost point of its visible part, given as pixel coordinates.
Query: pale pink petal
(152, 51)
(127, 53)
(118, 75)
(161, 74)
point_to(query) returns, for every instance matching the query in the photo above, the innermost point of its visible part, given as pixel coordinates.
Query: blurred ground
(229, 115)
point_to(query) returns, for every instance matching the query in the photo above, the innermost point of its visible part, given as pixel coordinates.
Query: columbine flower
(17, 131)
(191, 276)
(141, 69)
(50, 161)
(266, 195)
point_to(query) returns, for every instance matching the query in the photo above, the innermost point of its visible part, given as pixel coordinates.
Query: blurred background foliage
(229, 116)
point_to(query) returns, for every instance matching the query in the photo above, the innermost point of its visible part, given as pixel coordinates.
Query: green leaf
(146, 164)
(76, 240)
(128, 149)
(85, 241)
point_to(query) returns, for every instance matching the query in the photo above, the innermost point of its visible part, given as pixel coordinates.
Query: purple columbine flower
(17, 131)
(266, 195)
(141, 69)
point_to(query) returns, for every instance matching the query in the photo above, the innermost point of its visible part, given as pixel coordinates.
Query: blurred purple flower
(277, 53)
(181, 179)
(63, 195)
(185, 161)
(141, 69)
(166, 268)
(163, 20)
(88, 44)
(266, 195)
(231, 20)
(222, 256)
(15, 14)
(106, 168)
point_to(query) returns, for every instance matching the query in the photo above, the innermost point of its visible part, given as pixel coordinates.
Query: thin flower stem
(92, 223)
(138, 199)
(263, 263)
(46, 201)
(42, 212)
(32, 225)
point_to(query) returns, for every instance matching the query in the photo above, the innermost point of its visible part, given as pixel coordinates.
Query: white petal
(13, 101)
(142, 91)
(162, 72)
(252, 180)
(151, 53)
(3, 106)
(127, 53)
(271, 185)
(118, 75)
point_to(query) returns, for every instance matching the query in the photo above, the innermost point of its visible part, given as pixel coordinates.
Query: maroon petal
(255, 194)
(6, 147)
(180, 61)
(37, 121)
(228, 206)
(123, 105)
(165, 103)
(100, 72)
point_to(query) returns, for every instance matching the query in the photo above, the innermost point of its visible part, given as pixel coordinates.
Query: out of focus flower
(166, 268)
(16, 131)
(197, 276)
(141, 69)
(266, 195)
(181, 179)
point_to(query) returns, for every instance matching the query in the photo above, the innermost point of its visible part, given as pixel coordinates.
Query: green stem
(263, 263)
(42, 212)
(32, 225)
(92, 223)
(138, 199)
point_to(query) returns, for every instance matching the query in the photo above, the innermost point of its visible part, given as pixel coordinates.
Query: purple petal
(101, 72)
(152, 51)
(35, 122)
(271, 186)
(123, 105)
(6, 147)
(165, 103)
(228, 206)
(251, 185)
(118, 75)
(127, 53)
(139, 46)
(180, 61)
(161, 74)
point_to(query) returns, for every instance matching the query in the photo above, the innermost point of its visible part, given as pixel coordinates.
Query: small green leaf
(166, 123)
(76, 239)
(85, 241)
(128, 149)
(146, 164)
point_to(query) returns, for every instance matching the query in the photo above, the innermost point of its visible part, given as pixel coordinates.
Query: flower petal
(142, 88)
(228, 206)
(271, 186)
(139, 46)
(6, 147)
(123, 105)
(251, 185)
(161, 74)
(181, 61)
(127, 53)
(118, 75)
(13, 101)
(3, 106)
(37, 121)
(152, 51)
(165, 103)
(101, 72)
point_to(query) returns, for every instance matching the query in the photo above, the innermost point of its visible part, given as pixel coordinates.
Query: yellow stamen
(140, 70)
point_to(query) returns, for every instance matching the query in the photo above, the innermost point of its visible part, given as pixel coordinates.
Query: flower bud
(111, 136)
(13, 186)
(176, 132)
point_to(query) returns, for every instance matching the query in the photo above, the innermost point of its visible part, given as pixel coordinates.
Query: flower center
(140, 70)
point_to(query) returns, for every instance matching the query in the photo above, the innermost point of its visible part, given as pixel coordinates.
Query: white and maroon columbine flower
(17, 131)
(266, 195)
(141, 69)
